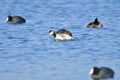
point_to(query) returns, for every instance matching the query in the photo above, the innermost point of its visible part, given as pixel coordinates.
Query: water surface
(27, 52)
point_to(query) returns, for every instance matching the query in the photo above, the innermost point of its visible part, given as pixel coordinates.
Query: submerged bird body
(95, 24)
(100, 73)
(15, 19)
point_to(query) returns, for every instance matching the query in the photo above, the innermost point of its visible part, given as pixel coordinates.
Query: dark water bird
(95, 24)
(15, 19)
(101, 73)
(61, 34)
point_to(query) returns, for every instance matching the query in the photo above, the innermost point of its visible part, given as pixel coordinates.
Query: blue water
(27, 52)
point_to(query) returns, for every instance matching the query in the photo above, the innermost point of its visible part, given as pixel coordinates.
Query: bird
(15, 19)
(61, 34)
(101, 73)
(95, 24)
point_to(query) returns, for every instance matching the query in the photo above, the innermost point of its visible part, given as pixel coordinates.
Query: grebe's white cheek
(7, 19)
(51, 33)
(91, 71)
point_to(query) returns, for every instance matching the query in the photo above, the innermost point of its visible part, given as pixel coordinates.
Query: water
(27, 52)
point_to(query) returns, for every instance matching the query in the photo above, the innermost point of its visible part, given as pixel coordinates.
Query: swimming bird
(95, 24)
(102, 72)
(15, 19)
(61, 34)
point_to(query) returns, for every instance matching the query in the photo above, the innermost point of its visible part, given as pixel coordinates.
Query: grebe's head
(51, 32)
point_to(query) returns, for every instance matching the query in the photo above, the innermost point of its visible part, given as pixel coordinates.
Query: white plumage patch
(7, 19)
(51, 33)
(63, 37)
(91, 71)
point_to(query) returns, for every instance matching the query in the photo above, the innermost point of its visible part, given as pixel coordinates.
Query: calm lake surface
(27, 52)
